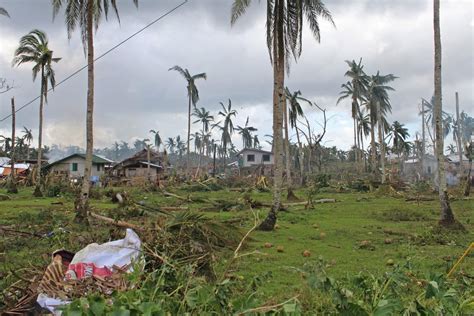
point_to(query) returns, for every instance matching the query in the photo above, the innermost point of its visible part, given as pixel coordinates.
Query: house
(251, 156)
(73, 166)
(20, 169)
(139, 165)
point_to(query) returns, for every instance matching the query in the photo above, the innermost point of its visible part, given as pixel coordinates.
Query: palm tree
(451, 149)
(86, 15)
(284, 37)
(170, 144)
(378, 105)
(204, 117)
(355, 89)
(227, 127)
(28, 137)
(246, 133)
(363, 123)
(180, 146)
(447, 215)
(156, 139)
(295, 111)
(193, 98)
(399, 134)
(256, 142)
(7, 141)
(34, 49)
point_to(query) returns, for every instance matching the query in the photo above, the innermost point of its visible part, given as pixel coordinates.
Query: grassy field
(360, 232)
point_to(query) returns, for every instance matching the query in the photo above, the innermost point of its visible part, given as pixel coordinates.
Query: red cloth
(86, 270)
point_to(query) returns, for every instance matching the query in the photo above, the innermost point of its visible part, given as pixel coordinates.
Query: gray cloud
(136, 92)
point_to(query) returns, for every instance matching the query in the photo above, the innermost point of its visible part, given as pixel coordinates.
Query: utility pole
(459, 138)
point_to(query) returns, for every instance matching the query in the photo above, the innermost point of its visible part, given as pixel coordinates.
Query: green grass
(345, 225)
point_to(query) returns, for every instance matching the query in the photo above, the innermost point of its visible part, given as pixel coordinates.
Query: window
(266, 158)
(98, 167)
(250, 158)
(74, 166)
(429, 169)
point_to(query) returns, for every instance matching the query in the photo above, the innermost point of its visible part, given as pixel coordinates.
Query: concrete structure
(249, 157)
(73, 166)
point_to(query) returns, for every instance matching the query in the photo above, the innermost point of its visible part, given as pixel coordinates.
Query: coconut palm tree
(246, 133)
(170, 144)
(363, 123)
(86, 15)
(451, 149)
(180, 146)
(34, 49)
(355, 89)
(28, 137)
(7, 141)
(193, 98)
(156, 139)
(256, 142)
(227, 127)
(204, 117)
(295, 111)
(284, 27)
(378, 106)
(447, 215)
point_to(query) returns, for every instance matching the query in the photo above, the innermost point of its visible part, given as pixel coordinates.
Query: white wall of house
(251, 157)
(75, 166)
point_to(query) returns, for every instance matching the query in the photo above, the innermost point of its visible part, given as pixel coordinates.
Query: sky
(135, 92)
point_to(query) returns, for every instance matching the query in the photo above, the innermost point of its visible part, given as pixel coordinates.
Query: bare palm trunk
(12, 182)
(447, 216)
(467, 188)
(373, 151)
(300, 156)
(278, 97)
(381, 142)
(37, 191)
(459, 140)
(189, 134)
(422, 159)
(83, 207)
(289, 181)
(356, 154)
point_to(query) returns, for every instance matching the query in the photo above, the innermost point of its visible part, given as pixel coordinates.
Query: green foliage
(397, 292)
(174, 291)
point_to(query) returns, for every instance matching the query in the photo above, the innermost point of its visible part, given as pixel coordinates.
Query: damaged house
(143, 165)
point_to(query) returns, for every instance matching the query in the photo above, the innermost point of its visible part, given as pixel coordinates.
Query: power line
(99, 57)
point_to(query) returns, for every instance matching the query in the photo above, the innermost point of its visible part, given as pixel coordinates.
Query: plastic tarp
(114, 253)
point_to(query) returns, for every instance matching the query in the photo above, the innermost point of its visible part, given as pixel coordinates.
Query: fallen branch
(116, 222)
(20, 232)
(421, 198)
(265, 309)
(324, 201)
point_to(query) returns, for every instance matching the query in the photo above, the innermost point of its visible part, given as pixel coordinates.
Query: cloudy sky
(135, 92)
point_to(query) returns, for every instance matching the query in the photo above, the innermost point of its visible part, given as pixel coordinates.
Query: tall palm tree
(86, 15)
(227, 127)
(295, 110)
(284, 27)
(363, 123)
(193, 98)
(28, 137)
(246, 133)
(447, 215)
(170, 144)
(204, 117)
(378, 106)
(34, 49)
(355, 89)
(157, 141)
